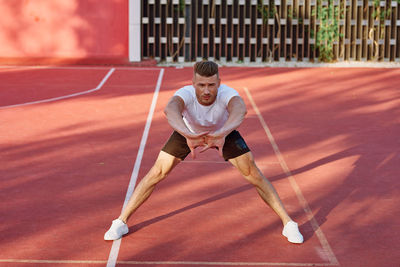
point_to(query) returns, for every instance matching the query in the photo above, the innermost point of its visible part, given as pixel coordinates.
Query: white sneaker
(117, 230)
(291, 231)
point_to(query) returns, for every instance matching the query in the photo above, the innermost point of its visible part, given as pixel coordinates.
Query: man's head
(206, 82)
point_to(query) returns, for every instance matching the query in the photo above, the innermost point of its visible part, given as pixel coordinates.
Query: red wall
(63, 31)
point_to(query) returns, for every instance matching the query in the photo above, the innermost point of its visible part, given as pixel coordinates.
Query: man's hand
(214, 140)
(195, 140)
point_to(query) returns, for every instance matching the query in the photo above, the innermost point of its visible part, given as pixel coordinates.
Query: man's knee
(162, 167)
(245, 164)
(247, 167)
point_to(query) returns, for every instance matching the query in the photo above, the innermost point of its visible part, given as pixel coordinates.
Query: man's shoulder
(187, 93)
(187, 89)
(223, 88)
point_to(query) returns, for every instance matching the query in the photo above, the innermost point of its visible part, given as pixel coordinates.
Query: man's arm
(237, 111)
(173, 111)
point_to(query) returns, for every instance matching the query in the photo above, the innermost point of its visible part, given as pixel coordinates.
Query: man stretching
(205, 114)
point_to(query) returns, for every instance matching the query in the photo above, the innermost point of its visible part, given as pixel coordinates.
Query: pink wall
(51, 31)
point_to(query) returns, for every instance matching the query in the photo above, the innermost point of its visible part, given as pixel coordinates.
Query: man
(206, 115)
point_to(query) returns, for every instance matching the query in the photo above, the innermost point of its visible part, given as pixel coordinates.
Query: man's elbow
(243, 110)
(166, 111)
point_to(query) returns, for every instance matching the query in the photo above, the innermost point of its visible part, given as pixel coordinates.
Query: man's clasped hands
(206, 140)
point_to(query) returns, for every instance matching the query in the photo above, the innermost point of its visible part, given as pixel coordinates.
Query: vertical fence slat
(358, 29)
(300, 36)
(311, 29)
(392, 36)
(370, 40)
(396, 24)
(364, 32)
(224, 46)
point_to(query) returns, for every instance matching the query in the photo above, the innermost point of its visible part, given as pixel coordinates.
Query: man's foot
(117, 230)
(291, 231)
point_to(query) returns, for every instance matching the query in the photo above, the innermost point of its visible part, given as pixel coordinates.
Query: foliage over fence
(271, 30)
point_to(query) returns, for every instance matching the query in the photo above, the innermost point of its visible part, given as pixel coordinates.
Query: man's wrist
(220, 133)
(187, 134)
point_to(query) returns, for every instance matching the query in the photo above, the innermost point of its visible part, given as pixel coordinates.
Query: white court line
(77, 67)
(112, 258)
(214, 263)
(324, 242)
(52, 261)
(65, 96)
(205, 161)
(165, 262)
(225, 162)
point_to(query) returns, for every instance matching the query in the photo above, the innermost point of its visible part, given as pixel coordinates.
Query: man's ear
(194, 78)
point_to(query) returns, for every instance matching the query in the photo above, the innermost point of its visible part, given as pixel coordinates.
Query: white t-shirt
(199, 118)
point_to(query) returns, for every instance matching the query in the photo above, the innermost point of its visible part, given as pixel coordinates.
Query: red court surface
(72, 139)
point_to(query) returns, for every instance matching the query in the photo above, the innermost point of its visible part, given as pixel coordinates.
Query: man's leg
(247, 167)
(163, 165)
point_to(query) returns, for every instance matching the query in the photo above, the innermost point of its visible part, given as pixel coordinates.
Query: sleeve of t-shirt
(227, 95)
(185, 94)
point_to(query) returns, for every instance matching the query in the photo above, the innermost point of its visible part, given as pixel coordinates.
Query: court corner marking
(99, 86)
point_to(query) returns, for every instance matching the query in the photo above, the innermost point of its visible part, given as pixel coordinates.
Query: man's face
(206, 88)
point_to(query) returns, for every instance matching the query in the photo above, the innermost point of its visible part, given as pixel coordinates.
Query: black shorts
(234, 146)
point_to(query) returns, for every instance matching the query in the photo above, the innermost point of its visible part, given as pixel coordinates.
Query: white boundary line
(324, 242)
(165, 262)
(65, 96)
(216, 263)
(77, 67)
(54, 261)
(112, 259)
(225, 162)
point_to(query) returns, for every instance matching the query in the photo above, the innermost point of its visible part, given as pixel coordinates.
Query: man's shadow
(203, 202)
(332, 199)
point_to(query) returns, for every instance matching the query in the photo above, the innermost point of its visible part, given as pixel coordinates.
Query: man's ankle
(122, 219)
(285, 221)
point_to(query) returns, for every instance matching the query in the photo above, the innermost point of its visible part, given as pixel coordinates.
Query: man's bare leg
(161, 168)
(247, 167)
(163, 165)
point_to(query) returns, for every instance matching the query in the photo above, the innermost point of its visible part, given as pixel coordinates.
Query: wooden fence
(271, 30)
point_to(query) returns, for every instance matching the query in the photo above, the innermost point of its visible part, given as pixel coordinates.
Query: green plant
(292, 12)
(328, 31)
(181, 6)
(268, 12)
(379, 15)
